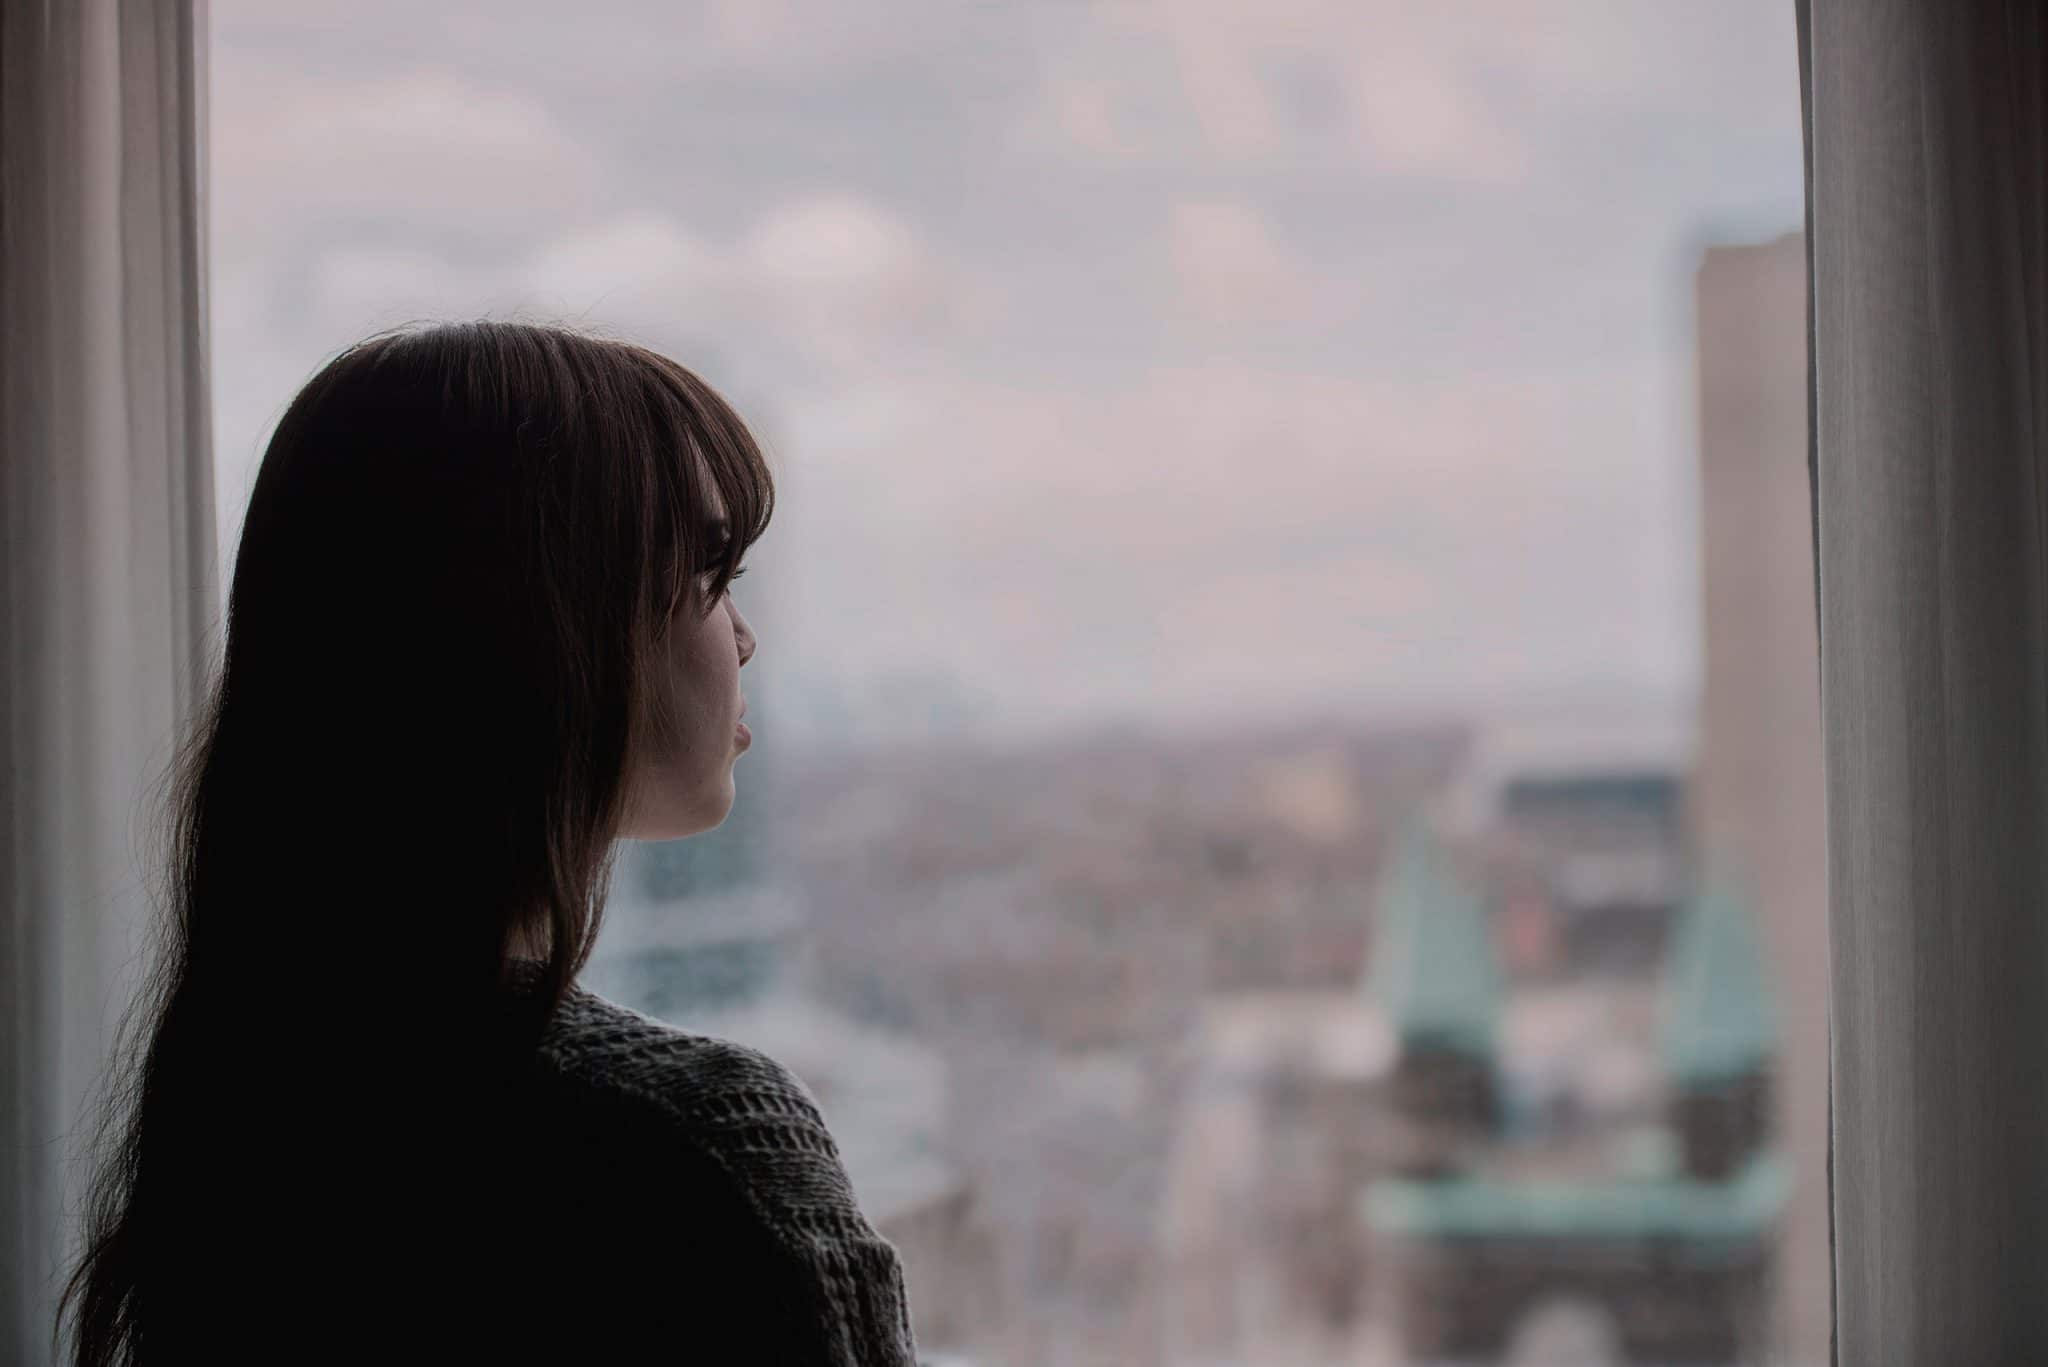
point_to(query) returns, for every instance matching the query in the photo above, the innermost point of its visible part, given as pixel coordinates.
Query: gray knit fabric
(751, 1119)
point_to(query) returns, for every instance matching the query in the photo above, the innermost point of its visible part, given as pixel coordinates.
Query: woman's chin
(679, 825)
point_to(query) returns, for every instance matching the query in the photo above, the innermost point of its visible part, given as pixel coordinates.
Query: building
(1435, 1164)
(1759, 801)
(1667, 1231)
(1580, 811)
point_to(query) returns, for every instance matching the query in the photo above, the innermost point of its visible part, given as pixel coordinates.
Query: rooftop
(1682, 1209)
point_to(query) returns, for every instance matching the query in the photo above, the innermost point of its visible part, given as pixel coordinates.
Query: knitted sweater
(717, 1217)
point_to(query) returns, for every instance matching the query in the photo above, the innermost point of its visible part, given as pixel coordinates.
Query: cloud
(1388, 90)
(1085, 111)
(821, 281)
(1230, 268)
(833, 241)
(638, 266)
(597, 43)
(1487, 94)
(361, 288)
(1424, 114)
(1227, 532)
(846, 274)
(417, 150)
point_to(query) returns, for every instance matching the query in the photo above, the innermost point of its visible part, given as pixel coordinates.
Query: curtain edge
(1803, 22)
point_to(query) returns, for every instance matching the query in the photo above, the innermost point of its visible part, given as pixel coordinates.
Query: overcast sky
(1170, 361)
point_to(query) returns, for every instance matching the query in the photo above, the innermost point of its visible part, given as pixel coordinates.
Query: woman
(480, 628)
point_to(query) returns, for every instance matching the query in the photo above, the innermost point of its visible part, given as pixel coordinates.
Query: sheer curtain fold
(1927, 132)
(111, 591)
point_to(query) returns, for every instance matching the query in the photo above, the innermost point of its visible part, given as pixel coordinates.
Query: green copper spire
(1719, 1021)
(1433, 970)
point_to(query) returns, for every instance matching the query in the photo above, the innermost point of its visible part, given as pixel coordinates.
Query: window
(1285, 815)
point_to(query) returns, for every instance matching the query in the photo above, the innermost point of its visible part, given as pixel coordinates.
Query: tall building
(1758, 805)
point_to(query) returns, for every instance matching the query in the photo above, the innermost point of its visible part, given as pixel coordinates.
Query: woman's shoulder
(721, 1150)
(746, 1112)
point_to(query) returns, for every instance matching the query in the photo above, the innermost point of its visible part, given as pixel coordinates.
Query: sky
(1170, 363)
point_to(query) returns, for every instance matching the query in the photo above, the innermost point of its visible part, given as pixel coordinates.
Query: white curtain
(1928, 165)
(111, 599)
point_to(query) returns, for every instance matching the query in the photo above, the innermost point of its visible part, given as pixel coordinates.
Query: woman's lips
(740, 730)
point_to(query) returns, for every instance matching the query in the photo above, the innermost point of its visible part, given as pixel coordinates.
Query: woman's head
(482, 588)
(479, 628)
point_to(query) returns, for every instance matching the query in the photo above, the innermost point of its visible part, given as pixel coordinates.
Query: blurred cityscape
(1471, 1038)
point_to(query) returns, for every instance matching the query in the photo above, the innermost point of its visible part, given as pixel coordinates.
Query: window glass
(1283, 819)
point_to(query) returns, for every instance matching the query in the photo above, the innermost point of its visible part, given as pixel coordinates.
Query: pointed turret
(1433, 966)
(1720, 1032)
(1720, 1022)
(1434, 975)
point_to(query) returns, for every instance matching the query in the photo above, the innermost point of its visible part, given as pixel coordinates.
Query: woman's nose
(743, 633)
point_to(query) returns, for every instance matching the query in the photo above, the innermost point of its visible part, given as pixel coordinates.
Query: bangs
(706, 440)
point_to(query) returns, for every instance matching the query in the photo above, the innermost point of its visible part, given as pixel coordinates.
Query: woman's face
(683, 774)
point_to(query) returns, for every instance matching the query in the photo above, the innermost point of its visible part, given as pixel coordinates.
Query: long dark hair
(462, 553)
